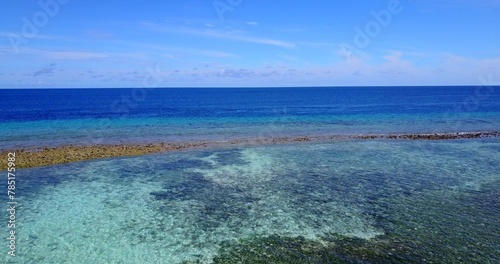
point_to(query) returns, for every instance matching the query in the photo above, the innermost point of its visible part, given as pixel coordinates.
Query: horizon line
(249, 87)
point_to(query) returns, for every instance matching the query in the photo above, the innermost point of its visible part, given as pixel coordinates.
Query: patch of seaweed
(333, 249)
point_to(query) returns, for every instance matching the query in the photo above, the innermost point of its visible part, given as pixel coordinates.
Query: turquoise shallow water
(438, 199)
(147, 130)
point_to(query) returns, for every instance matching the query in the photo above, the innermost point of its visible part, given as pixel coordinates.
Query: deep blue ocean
(87, 116)
(339, 201)
(65, 104)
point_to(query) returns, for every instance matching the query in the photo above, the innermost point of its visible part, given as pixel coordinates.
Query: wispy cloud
(220, 34)
(475, 3)
(5, 34)
(66, 55)
(319, 44)
(75, 54)
(458, 4)
(98, 34)
(47, 70)
(168, 50)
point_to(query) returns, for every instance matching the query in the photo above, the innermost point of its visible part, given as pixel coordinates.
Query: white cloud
(64, 55)
(4, 34)
(220, 35)
(170, 49)
(75, 55)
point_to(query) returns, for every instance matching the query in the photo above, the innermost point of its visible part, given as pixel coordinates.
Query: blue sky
(233, 43)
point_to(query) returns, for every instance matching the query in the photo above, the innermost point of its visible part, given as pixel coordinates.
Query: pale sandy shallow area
(44, 156)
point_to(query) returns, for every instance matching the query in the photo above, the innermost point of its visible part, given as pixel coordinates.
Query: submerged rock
(57, 155)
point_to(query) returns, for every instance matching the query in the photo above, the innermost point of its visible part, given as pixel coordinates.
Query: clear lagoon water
(351, 201)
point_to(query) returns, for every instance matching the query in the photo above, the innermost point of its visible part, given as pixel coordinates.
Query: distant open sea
(352, 201)
(51, 117)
